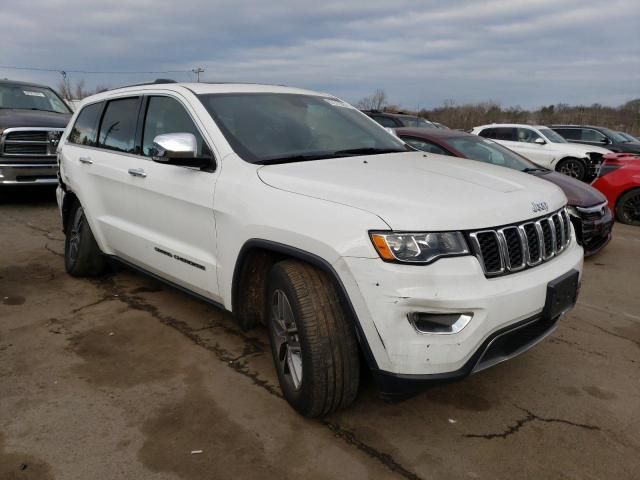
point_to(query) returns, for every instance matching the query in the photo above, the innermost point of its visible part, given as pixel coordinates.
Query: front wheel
(314, 348)
(573, 168)
(82, 256)
(628, 207)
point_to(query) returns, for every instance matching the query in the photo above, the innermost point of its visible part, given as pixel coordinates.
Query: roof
(510, 125)
(26, 84)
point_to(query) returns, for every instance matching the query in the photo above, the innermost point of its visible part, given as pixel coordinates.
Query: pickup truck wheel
(314, 348)
(82, 257)
(572, 167)
(628, 207)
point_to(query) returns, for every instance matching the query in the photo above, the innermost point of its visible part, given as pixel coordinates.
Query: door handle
(137, 172)
(85, 160)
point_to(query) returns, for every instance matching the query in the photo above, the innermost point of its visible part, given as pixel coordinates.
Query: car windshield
(485, 150)
(29, 97)
(282, 127)
(616, 137)
(552, 136)
(416, 122)
(629, 138)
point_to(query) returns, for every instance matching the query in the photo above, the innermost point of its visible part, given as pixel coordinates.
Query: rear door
(174, 210)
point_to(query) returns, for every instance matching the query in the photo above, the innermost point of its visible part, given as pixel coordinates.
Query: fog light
(439, 323)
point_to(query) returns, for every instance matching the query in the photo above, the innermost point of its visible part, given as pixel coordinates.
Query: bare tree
(375, 101)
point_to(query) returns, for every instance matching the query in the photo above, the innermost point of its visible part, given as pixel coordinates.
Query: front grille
(516, 247)
(592, 213)
(29, 142)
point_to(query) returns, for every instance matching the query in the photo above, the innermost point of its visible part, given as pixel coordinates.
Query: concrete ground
(123, 377)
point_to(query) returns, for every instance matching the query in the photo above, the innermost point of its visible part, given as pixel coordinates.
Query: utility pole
(198, 71)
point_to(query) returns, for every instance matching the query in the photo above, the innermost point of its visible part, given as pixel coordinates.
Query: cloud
(520, 52)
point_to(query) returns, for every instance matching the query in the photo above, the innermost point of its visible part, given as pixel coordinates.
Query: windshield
(630, 138)
(552, 136)
(484, 150)
(416, 122)
(616, 137)
(28, 97)
(276, 127)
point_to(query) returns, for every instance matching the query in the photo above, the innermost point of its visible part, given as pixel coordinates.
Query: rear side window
(569, 133)
(84, 131)
(499, 133)
(167, 115)
(385, 121)
(118, 127)
(589, 135)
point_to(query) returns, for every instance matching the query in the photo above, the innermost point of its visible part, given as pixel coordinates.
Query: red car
(619, 180)
(591, 218)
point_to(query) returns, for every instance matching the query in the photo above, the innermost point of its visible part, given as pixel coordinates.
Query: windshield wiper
(368, 151)
(294, 158)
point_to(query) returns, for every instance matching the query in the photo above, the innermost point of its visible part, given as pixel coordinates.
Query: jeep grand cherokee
(293, 209)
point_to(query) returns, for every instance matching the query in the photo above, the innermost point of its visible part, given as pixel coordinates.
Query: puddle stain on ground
(197, 423)
(13, 300)
(21, 466)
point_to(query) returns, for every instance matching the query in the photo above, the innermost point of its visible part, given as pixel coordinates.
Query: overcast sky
(515, 52)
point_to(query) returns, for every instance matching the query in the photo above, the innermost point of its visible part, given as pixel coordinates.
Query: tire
(628, 207)
(316, 358)
(82, 257)
(572, 167)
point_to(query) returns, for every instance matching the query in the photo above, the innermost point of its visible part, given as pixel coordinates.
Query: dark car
(591, 218)
(631, 138)
(398, 120)
(600, 136)
(32, 118)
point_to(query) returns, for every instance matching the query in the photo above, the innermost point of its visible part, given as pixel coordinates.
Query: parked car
(32, 118)
(293, 209)
(590, 215)
(630, 138)
(546, 148)
(619, 180)
(596, 136)
(398, 120)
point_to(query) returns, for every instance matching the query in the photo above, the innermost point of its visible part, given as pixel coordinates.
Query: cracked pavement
(123, 377)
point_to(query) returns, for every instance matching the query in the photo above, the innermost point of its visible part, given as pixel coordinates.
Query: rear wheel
(82, 256)
(572, 167)
(314, 348)
(628, 207)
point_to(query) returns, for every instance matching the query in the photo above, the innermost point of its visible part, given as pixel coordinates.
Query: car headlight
(418, 247)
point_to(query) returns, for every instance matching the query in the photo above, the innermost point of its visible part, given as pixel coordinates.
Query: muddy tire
(82, 257)
(628, 207)
(314, 348)
(573, 167)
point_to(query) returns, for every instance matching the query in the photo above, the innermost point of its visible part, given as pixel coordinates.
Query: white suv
(546, 148)
(293, 209)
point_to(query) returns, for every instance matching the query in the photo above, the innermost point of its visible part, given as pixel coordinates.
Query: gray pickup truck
(32, 118)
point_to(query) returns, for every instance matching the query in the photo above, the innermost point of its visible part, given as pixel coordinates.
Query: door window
(527, 135)
(425, 145)
(588, 135)
(118, 127)
(167, 115)
(569, 133)
(385, 121)
(499, 133)
(84, 131)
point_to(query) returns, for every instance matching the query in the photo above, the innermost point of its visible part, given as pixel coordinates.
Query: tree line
(625, 117)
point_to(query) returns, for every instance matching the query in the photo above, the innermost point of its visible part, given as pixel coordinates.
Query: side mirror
(539, 141)
(605, 141)
(178, 149)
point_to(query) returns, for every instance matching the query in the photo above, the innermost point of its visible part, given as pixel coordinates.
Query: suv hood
(578, 193)
(15, 117)
(417, 191)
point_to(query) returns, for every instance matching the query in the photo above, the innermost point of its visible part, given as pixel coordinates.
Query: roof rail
(157, 81)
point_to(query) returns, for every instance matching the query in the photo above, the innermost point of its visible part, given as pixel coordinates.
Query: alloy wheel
(631, 209)
(572, 168)
(287, 340)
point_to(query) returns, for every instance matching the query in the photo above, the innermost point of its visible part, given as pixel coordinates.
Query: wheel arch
(248, 286)
(68, 201)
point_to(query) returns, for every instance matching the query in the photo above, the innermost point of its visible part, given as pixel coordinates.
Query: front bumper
(383, 294)
(43, 173)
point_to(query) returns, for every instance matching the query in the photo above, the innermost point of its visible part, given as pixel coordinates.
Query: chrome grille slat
(516, 247)
(29, 141)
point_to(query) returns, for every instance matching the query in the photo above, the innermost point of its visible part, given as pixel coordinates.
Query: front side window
(118, 126)
(425, 145)
(167, 115)
(552, 136)
(594, 136)
(416, 122)
(476, 148)
(527, 135)
(29, 97)
(85, 129)
(284, 127)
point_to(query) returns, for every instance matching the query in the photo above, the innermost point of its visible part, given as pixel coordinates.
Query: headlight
(418, 247)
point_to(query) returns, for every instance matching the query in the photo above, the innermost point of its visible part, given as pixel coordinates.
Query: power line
(99, 72)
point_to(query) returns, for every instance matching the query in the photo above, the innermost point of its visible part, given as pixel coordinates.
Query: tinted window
(118, 127)
(416, 122)
(588, 135)
(167, 115)
(84, 130)
(527, 135)
(569, 133)
(499, 133)
(385, 121)
(425, 145)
